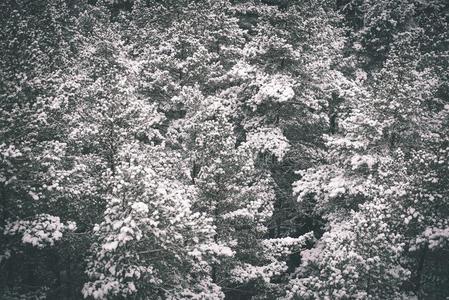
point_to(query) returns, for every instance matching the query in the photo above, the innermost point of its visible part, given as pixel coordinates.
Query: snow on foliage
(42, 231)
(277, 89)
(268, 140)
(356, 258)
(224, 149)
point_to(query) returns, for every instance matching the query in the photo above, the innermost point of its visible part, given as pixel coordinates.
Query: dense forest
(224, 149)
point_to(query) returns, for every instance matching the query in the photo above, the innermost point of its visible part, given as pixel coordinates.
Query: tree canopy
(224, 149)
